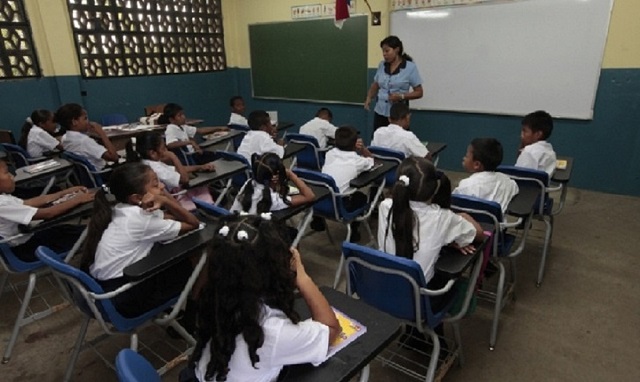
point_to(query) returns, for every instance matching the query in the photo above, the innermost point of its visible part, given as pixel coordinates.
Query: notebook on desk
(351, 330)
(42, 166)
(561, 164)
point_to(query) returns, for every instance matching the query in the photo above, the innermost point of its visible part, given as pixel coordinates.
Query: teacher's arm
(415, 94)
(373, 90)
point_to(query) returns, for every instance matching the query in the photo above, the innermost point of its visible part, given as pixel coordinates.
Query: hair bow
(404, 179)
(266, 215)
(224, 231)
(242, 235)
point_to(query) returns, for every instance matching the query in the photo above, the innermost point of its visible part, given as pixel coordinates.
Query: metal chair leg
(435, 353)
(545, 251)
(76, 349)
(497, 308)
(19, 320)
(336, 280)
(3, 281)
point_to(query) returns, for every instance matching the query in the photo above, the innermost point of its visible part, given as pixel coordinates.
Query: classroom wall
(606, 149)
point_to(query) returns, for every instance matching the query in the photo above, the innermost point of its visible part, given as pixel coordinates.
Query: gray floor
(582, 324)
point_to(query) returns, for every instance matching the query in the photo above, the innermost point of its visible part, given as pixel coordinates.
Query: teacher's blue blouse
(405, 77)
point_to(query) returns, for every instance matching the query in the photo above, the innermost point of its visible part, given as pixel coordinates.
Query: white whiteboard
(510, 57)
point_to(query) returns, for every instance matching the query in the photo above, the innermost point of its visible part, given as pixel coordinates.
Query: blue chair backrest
(132, 367)
(84, 170)
(388, 154)
(14, 264)
(485, 211)
(528, 176)
(240, 178)
(238, 140)
(311, 157)
(114, 119)
(19, 156)
(211, 209)
(384, 288)
(184, 156)
(332, 207)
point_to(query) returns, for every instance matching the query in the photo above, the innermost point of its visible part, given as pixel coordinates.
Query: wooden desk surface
(382, 329)
(369, 177)
(284, 214)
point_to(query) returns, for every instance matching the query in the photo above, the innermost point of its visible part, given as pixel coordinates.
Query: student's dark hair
(539, 121)
(257, 119)
(324, 111)
(487, 151)
(264, 168)
(37, 117)
(65, 114)
(346, 138)
(232, 100)
(394, 42)
(423, 184)
(170, 111)
(243, 274)
(442, 197)
(126, 180)
(149, 140)
(398, 111)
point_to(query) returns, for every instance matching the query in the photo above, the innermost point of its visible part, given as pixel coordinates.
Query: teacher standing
(396, 80)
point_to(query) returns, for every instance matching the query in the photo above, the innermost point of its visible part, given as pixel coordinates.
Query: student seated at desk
(320, 127)
(411, 225)
(237, 112)
(180, 135)
(15, 211)
(150, 148)
(124, 234)
(344, 163)
(261, 138)
(269, 188)
(397, 136)
(535, 151)
(74, 120)
(247, 327)
(483, 157)
(37, 134)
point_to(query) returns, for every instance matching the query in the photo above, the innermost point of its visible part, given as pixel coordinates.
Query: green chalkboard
(310, 60)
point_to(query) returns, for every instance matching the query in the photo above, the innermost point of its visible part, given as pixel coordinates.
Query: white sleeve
(525, 159)
(93, 148)
(190, 130)
(388, 245)
(18, 213)
(463, 188)
(374, 141)
(269, 146)
(171, 134)
(330, 130)
(167, 175)
(305, 342)
(460, 231)
(160, 229)
(415, 147)
(46, 141)
(364, 164)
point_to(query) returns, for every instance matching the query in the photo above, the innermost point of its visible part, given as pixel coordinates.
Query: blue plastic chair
(211, 209)
(91, 300)
(311, 157)
(13, 265)
(237, 180)
(489, 215)
(86, 173)
(19, 156)
(396, 285)
(132, 367)
(114, 119)
(388, 154)
(544, 209)
(186, 157)
(238, 139)
(332, 208)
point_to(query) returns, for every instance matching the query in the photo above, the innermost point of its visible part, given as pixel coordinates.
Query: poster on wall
(412, 4)
(309, 11)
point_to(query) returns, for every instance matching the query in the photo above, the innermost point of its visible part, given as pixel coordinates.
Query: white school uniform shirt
(14, 212)
(277, 203)
(320, 129)
(397, 138)
(39, 141)
(489, 185)
(238, 119)
(435, 228)
(538, 156)
(259, 142)
(344, 166)
(175, 133)
(82, 144)
(128, 238)
(166, 174)
(285, 343)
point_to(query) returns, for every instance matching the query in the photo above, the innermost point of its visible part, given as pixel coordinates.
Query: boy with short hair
(237, 112)
(344, 163)
(397, 136)
(483, 157)
(320, 127)
(535, 151)
(261, 138)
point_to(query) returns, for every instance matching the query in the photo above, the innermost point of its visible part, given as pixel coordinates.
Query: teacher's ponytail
(394, 42)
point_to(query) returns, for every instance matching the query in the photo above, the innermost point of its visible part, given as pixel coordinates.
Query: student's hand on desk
(466, 250)
(85, 197)
(76, 189)
(206, 167)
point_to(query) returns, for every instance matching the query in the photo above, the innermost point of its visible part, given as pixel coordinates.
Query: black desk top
(382, 329)
(563, 176)
(284, 125)
(39, 225)
(284, 214)
(435, 148)
(163, 256)
(524, 201)
(453, 262)
(232, 133)
(292, 148)
(369, 177)
(223, 169)
(23, 176)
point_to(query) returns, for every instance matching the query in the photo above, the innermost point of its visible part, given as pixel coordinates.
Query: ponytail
(401, 219)
(100, 219)
(265, 203)
(246, 196)
(132, 155)
(406, 57)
